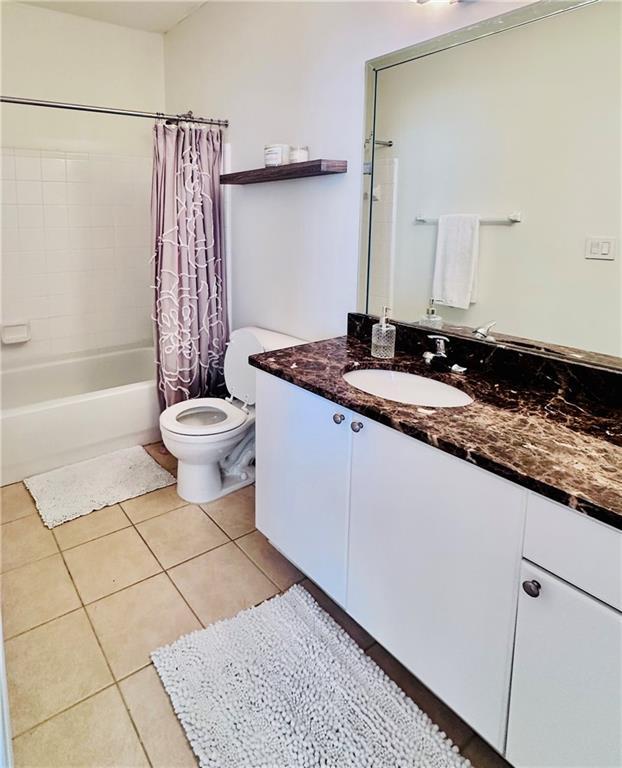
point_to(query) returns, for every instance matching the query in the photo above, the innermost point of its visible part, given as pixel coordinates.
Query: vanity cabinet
(566, 705)
(430, 545)
(302, 489)
(434, 559)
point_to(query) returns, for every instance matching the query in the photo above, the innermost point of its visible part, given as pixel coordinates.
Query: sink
(407, 388)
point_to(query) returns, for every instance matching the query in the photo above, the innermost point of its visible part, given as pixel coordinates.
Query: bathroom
(407, 549)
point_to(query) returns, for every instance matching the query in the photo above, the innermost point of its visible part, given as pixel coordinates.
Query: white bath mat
(69, 492)
(283, 686)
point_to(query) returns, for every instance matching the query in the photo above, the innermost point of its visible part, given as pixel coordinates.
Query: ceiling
(151, 15)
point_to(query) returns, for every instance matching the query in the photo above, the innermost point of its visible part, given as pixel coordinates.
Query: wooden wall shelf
(284, 172)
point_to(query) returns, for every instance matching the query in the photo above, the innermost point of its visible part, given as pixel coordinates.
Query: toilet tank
(244, 342)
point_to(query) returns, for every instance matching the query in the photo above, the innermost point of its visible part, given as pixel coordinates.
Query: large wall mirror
(520, 130)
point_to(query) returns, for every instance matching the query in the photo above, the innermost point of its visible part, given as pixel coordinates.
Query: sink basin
(407, 388)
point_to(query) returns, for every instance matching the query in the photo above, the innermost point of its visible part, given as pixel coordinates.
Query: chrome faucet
(438, 359)
(483, 332)
(440, 343)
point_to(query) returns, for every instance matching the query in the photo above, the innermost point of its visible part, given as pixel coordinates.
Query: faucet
(440, 343)
(438, 360)
(483, 332)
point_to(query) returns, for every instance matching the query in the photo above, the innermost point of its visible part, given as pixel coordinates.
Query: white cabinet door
(566, 703)
(434, 561)
(302, 483)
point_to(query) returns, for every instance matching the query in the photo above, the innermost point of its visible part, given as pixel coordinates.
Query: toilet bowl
(213, 438)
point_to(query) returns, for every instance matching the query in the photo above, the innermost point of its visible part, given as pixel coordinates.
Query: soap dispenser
(431, 319)
(383, 337)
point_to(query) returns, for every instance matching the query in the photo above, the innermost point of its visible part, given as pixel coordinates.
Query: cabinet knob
(356, 426)
(338, 418)
(532, 588)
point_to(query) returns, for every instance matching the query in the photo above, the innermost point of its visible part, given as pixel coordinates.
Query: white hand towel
(456, 261)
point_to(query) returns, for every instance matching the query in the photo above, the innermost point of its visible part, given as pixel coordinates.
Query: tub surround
(550, 425)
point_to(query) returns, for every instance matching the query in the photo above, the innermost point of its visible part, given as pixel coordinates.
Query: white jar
(276, 154)
(299, 154)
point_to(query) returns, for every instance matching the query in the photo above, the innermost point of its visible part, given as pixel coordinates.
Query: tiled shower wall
(75, 251)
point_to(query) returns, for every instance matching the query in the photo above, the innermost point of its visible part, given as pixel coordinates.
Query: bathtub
(61, 412)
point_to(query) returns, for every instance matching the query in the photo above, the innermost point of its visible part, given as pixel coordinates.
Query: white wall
(294, 73)
(528, 120)
(61, 57)
(76, 186)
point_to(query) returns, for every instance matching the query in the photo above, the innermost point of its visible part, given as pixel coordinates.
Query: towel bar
(513, 218)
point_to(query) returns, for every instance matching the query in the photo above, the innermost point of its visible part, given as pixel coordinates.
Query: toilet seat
(202, 416)
(213, 439)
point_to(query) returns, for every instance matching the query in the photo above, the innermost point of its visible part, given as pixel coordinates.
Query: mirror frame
(492, 26)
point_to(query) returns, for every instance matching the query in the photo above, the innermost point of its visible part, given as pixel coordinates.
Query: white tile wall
(75, 237)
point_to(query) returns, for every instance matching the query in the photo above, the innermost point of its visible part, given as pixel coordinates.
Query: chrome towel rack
(513, 218)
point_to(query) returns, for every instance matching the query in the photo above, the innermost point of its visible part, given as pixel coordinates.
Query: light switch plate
(601, 248)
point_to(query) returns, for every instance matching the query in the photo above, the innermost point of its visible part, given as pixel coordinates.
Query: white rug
(69, 492)
(283, 686)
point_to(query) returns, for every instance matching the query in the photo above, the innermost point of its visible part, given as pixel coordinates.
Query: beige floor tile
(52, 667)
(152, 504)
(97, 733)
(15, 502)
(108, 564)
(24, 541)
(36, 593)
(221, 583)
(181, 534)
(234, 513)
(132, 623)
(163, 457)
(91, 526)
(271, 562)
(152, 713)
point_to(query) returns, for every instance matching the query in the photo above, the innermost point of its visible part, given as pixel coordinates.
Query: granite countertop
(515, 433)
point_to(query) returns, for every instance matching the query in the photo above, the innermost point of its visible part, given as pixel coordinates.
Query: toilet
(213, 439)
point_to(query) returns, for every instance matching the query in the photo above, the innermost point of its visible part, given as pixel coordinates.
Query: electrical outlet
(602, 248)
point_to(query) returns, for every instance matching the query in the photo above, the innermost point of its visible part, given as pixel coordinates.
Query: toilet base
(201, 483)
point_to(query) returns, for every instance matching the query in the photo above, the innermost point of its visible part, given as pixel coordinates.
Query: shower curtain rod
(187, 116)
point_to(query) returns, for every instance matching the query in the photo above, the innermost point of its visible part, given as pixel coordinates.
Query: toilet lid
(202, 416)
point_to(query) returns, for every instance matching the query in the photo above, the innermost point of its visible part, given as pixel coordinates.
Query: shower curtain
(190, 304)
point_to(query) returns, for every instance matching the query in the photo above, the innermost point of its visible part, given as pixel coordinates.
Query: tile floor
(83, 606)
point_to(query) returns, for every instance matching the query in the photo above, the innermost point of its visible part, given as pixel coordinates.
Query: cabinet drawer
(580, 550)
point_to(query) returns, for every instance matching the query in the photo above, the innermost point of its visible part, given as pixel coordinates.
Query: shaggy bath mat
(283, 686)
(69, 492)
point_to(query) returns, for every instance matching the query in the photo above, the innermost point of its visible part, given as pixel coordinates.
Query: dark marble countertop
(512, 432)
